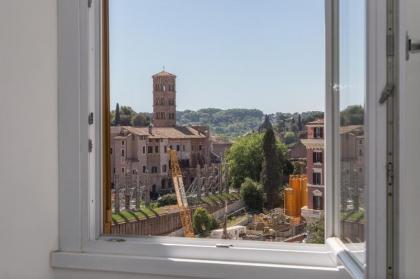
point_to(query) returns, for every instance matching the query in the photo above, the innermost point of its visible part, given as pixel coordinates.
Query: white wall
(28, 138)
(410, 152)
(28, 146)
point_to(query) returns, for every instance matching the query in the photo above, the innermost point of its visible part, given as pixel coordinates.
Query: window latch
(224, 245)
(386, 93)
(90, 145)
(90, 121)
(411, 47)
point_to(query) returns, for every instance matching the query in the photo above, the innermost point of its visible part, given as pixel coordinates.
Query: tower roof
(164, 74)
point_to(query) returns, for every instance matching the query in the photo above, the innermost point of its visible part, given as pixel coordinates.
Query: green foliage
(140, 120)
(168, 199)
(352, 115)
(294, 122)
(252, 195)
(290, 137)
(298, 167)
(272, 168)
(203, 222)
(229, 123)
(245, 158)
(316, 231)
(117, 115)
(125, 120)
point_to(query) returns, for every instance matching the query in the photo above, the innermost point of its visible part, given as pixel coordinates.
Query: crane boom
(181, 197)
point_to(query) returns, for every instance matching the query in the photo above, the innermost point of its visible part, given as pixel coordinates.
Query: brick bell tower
(164, 99)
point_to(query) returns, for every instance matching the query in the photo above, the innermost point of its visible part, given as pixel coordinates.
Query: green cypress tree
(271, 169)
(117, 115)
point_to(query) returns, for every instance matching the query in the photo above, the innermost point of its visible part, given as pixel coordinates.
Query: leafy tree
(203, 222)
(289, 137)
(252, 195)
(271, 168)
(117, 115)
(316, 231)
(140, 120)
(125, 120)
(126, 110)
(244, 159)
(352, 115)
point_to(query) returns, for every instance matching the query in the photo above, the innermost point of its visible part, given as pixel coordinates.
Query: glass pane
(217, 114)
(352, 125)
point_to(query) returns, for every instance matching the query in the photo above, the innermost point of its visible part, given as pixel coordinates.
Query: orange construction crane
(181, 197)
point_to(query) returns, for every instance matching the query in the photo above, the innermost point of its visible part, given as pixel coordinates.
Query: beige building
(140, 154)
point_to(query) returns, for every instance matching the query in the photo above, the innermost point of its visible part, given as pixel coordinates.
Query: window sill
(297, 260)
(343, 254)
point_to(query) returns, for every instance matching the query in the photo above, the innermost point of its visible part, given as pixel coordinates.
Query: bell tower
(164, 99)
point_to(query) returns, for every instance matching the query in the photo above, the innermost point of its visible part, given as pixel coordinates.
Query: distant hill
(228, 124)
(231, 123)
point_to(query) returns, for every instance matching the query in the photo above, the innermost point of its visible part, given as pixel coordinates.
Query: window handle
(412, 47)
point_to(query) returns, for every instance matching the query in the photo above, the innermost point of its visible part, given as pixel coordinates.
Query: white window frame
(80, 243)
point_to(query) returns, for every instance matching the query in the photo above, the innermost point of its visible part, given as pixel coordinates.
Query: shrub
(290, 137)
(203, 222)
(316, 231)
(168, 199)
(252, 194)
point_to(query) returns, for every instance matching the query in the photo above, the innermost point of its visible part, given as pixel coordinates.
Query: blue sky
(265, 54)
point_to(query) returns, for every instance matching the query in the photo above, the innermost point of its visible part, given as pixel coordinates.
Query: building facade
(352, 167)
(140, 155)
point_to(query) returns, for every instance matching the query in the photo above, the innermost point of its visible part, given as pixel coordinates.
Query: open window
(323, 192)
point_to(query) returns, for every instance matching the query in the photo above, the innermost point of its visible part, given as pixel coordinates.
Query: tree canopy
(245, 158)
(252, 195)
(352, 115)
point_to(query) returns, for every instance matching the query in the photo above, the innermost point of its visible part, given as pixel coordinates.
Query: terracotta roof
(319, 121)
(357, 129)
(313, 143)
(179, 132)
(164, 74)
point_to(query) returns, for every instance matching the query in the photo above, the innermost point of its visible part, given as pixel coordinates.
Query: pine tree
(117, 115)
(271, 168)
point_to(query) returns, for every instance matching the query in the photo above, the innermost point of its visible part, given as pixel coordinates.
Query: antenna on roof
(163, 67)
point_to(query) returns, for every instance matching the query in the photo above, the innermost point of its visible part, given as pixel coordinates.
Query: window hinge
(90, 118)
(90, 145)
(90, 3)
(386, 93)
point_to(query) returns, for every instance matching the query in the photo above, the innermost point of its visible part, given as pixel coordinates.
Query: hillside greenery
(229, 124)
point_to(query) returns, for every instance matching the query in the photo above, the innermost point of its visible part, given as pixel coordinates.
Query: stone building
(351, 164)
(141, 154)
(315, 168)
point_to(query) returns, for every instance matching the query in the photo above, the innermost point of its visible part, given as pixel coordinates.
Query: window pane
(218, 109)
(352, 124)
